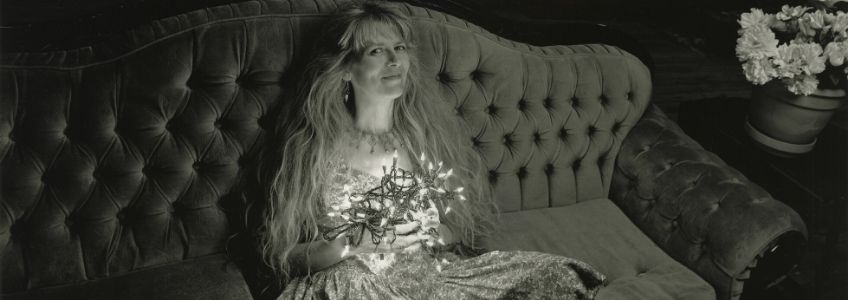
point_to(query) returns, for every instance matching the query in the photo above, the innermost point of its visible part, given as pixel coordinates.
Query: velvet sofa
(123, 162)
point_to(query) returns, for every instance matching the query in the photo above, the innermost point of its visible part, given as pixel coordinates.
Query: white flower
(759, 71)
(797, 59)
(791, 12)
(836, 52)
(811, 23)
(755, 18)
(802, 85)
(839, 24)
(756, 43)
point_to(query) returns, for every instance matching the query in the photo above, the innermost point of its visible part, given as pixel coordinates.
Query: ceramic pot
(789, 123)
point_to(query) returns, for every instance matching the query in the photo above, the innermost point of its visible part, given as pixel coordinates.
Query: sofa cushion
(210, 277)
(597, 232)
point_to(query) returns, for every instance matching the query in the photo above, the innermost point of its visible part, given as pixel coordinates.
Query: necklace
(385, 139)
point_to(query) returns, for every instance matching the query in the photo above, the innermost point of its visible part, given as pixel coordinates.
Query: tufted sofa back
(123, 155)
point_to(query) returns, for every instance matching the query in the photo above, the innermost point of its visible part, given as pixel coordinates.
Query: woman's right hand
(405, 236)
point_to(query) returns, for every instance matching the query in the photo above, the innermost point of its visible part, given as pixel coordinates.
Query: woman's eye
(400, 48)
(376, 51)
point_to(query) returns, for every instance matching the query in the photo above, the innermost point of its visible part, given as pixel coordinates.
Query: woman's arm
(317, 255)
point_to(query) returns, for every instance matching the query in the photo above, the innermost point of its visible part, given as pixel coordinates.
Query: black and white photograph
(424, 149)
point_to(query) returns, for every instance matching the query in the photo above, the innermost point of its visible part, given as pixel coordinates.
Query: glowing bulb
(439, 268)
(459, 189)
(430, 166)
(423, 158)
(331, 214)
(441, 241)
(450, 172)
(346, 250)
(447, 210)
(461, 197)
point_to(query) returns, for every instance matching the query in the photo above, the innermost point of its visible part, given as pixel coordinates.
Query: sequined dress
(444, 275)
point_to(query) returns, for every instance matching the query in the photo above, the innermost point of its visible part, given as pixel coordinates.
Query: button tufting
(549, 169)
(475, 75)
(475, 141)
(196, 165)
(178, 210)
(122, 216)
(522, 172)
(17, 231)
(575, 102)
(616, 127)
(491, 109)
(507, 140)
(591, 130)
(537, 137)
(548, 103)
(576, 164)
(493, 176)
(442, 77)
(218, 123)
(522, 105)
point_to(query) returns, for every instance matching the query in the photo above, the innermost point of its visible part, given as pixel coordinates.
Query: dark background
(44, 25)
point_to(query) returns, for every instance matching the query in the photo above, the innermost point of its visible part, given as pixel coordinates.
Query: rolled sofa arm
(699, 210)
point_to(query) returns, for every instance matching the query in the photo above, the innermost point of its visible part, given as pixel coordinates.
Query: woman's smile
(380, 72)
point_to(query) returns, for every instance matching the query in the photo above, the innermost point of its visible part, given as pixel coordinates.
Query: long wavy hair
(424, 123)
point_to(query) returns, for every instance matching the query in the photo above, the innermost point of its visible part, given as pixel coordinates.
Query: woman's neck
(374, 116)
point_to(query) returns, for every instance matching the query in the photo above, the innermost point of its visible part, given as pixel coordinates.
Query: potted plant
(796, 58)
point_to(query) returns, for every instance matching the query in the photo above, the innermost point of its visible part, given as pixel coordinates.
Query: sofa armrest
(699, 210)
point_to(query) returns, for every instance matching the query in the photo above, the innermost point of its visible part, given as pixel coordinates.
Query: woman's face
(381, 71)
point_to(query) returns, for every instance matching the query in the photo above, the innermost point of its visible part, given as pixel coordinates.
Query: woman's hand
(405, 236)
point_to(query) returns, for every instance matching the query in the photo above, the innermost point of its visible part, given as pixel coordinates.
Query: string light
(401, 197)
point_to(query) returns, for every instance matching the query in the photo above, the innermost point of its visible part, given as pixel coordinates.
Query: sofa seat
(210, 277)
(600, 234)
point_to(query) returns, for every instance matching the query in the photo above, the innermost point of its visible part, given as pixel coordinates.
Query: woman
(365, 102)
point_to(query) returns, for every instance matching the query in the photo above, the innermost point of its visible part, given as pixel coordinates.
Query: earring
(346, 91)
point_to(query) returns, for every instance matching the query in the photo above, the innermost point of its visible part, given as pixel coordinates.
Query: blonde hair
(424, 122)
